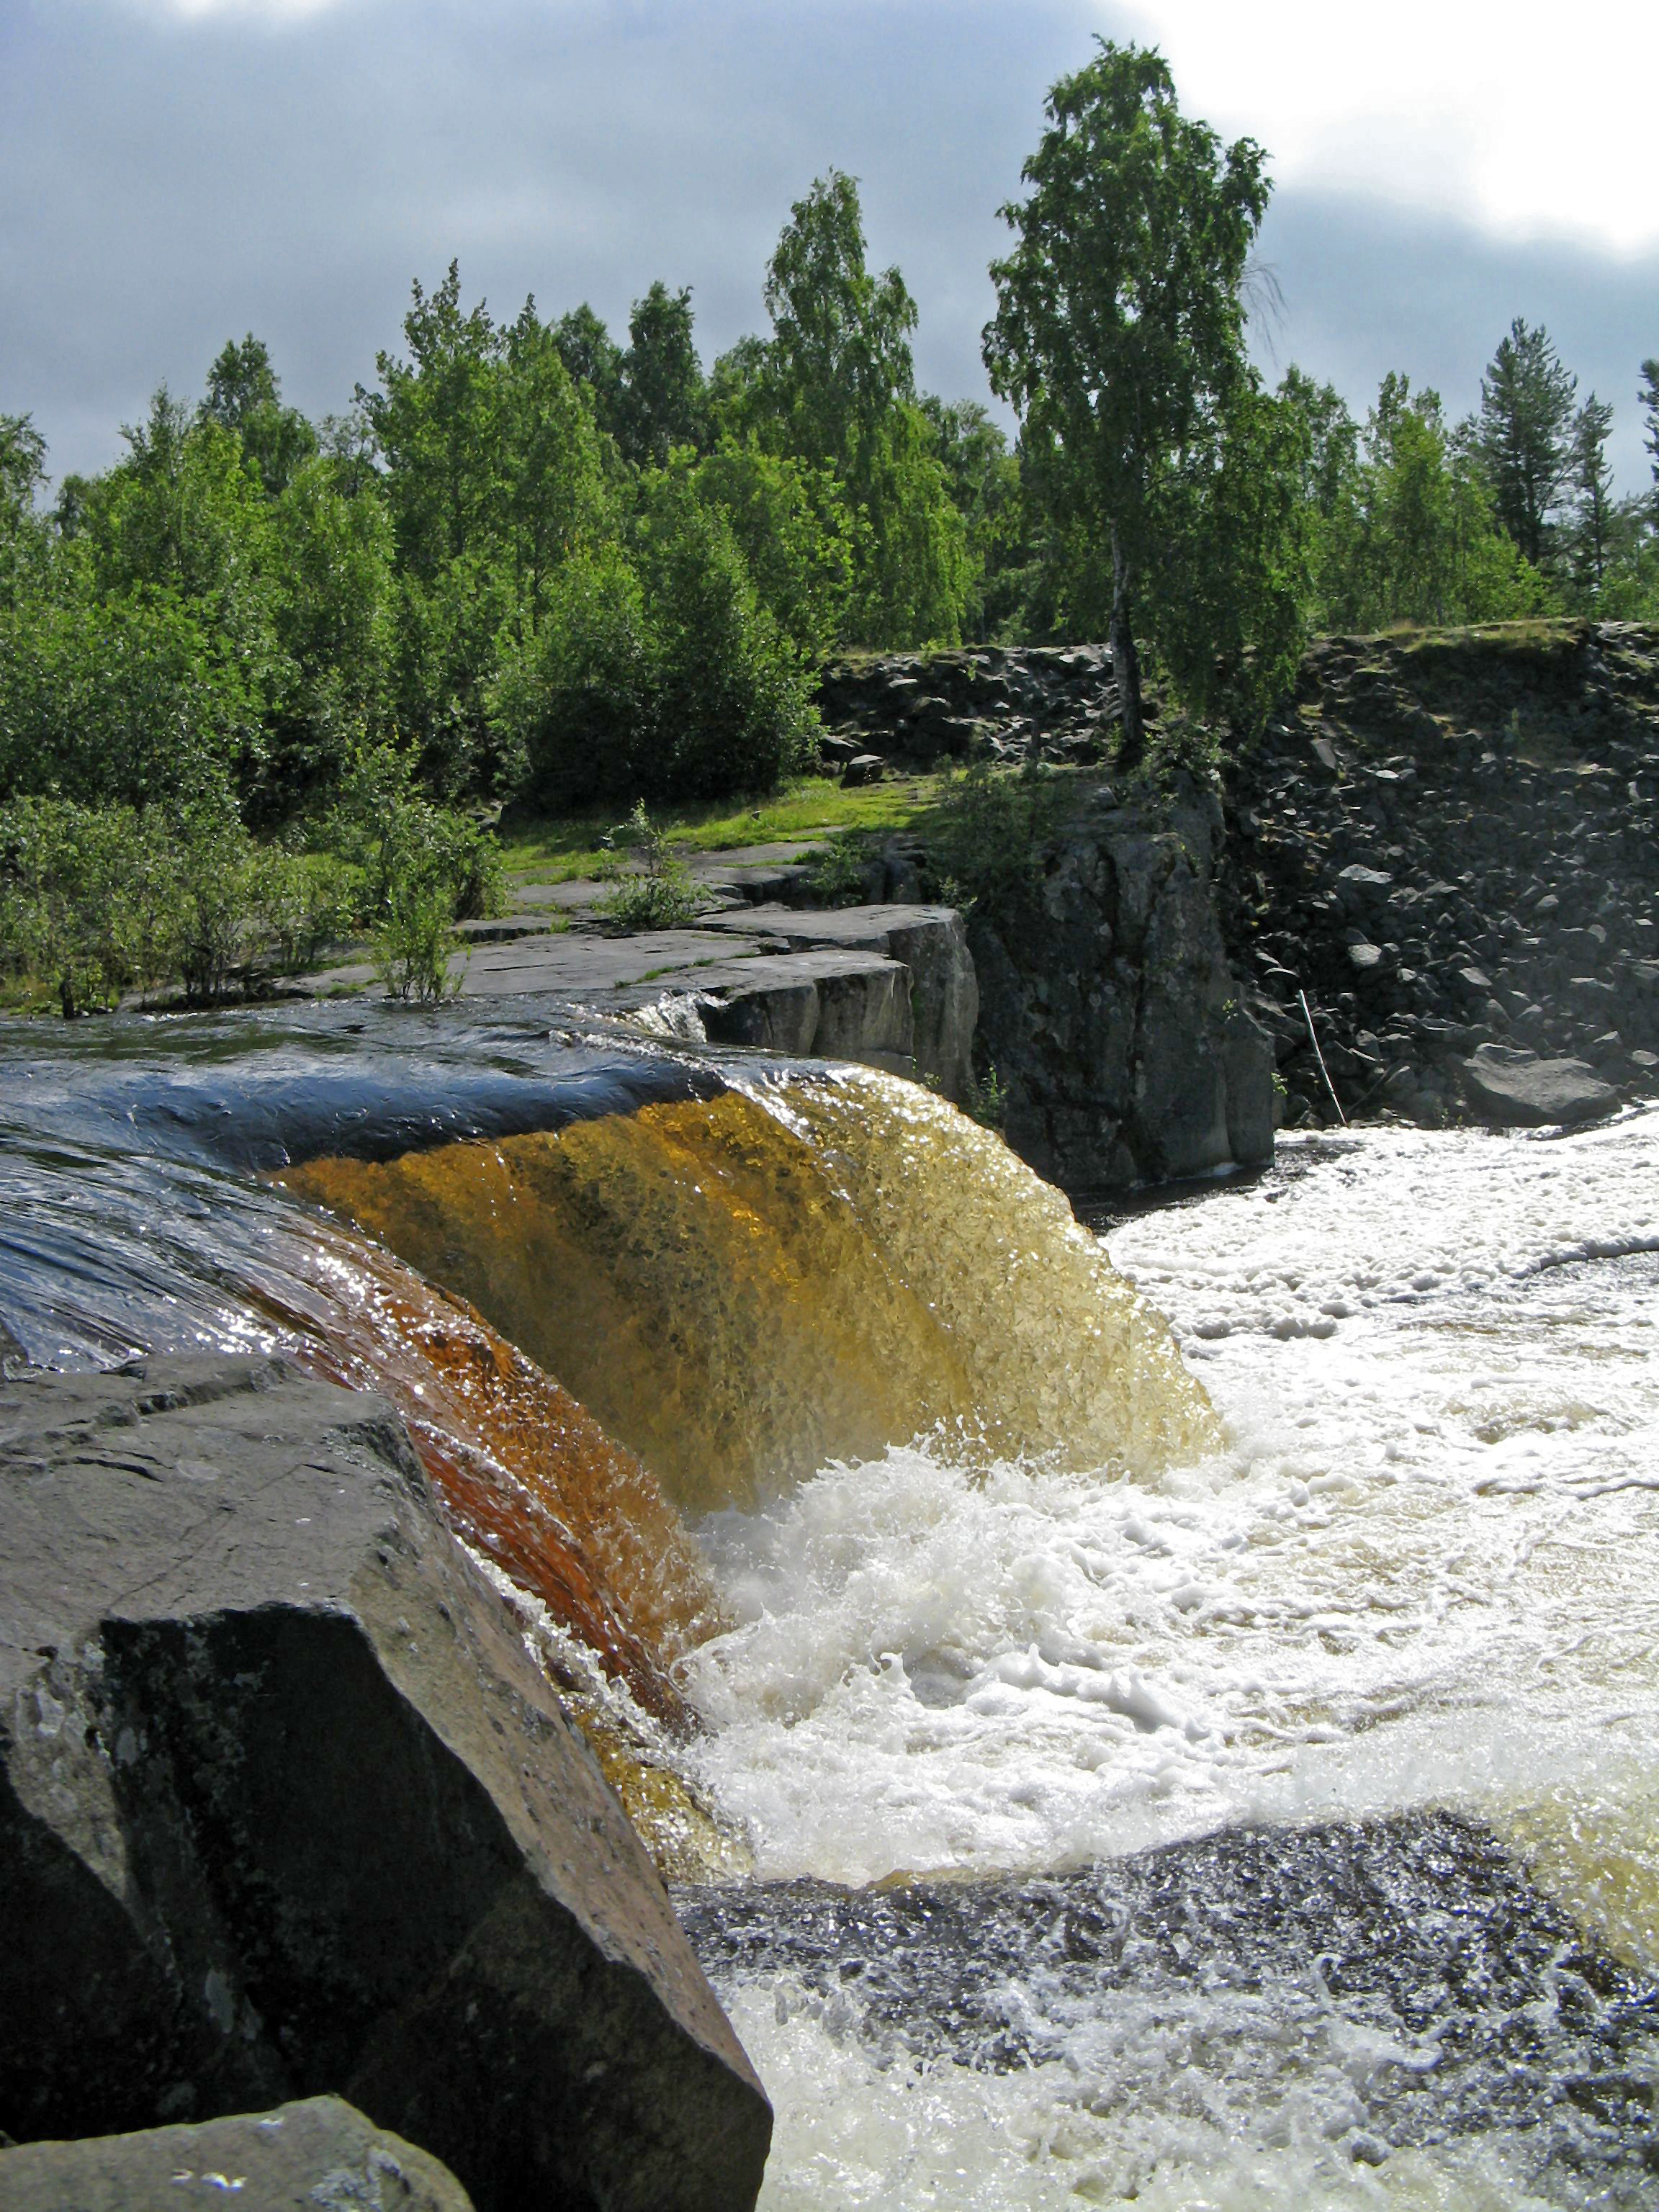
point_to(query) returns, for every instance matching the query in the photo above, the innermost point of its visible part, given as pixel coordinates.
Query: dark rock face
(1006, 702)
(1450, 843)
(1110, 1013)
(317, 2156)
(1516, 1090)
(286, 1810)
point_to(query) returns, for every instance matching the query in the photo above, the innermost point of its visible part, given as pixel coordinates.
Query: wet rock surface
(320, 2155)
(1405, 1970)
(286, 1810)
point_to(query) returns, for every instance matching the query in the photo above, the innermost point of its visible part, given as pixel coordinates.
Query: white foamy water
(1424, 1571)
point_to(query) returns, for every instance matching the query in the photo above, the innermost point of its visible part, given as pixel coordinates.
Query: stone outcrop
(319, 2156)
(286, 1810)
(891, 985)
(1451, 842)
(1108, 1010)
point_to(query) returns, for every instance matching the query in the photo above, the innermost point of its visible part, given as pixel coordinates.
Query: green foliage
(243, 396)
(1119, 333)
(22, 536)
(661, 893)
(988, 837)
(834, 388)
(656, 672)
(95, 901)
(983, 477)
(1406, 530)
(1526, 435)
(1232, 577)
(836, 873)
(987, 1101)
(85, 903)
(661, 402)
(128, 700)
(1593, 504)
(402, 847)
(799, 540)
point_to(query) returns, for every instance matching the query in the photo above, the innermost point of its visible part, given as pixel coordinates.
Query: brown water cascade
(743, 1288)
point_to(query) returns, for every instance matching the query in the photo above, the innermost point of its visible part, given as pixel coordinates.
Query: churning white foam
(1425, 1570)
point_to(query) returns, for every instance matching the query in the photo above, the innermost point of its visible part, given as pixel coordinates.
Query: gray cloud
(166, 184)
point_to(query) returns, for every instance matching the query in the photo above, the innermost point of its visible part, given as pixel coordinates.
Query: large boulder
(318, 2156)
(1514, 1089)
(287, 1810)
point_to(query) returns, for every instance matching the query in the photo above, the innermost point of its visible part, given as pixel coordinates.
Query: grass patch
(558, 849)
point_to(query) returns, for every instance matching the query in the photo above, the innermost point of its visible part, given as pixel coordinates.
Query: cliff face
(1449, 842)
(1109, 1011)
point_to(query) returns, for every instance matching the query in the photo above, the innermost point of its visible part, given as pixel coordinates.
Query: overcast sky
(174, 173)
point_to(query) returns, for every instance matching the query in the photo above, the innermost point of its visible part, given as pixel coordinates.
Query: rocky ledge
(286, 1810)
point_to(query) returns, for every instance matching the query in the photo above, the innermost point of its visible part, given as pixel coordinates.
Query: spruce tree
(1527, 415)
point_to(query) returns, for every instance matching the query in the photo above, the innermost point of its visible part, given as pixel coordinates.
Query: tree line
(534, 563)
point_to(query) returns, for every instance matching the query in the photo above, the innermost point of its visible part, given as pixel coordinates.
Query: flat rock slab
(928, 941)
(817, 1003)
(861, 928)
(320, 2155)
(1515, 1091)
(286, 1810)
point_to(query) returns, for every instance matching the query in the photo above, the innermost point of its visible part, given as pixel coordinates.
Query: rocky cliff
(1449, 842)
(1446, 842)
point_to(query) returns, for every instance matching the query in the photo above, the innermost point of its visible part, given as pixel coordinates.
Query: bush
(87, 902)
(126, 702)
(656, 674)
(392, 836)
(987, 838)
(662, 895)
(97, 901)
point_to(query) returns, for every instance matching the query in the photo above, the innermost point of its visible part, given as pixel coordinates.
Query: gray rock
(320, 2155)
(864, 767)
(286, 1810)
(1108, 1010)
(1512, 1089)
(928, 941)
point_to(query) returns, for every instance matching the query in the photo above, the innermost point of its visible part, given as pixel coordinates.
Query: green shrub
(654, 672)
(836, 873)
(662, 894)
(385, 830)
(125, 702)
(988, 837)
(87, 902)
(414, 937)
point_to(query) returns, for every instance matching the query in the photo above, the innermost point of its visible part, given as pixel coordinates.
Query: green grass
(556, 850)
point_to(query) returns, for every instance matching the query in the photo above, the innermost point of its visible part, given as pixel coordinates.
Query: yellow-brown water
(744, 1288)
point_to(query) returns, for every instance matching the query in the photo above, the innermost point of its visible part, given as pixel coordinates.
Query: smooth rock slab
(286, 1810)
(1515, 1091)
(321, 2155)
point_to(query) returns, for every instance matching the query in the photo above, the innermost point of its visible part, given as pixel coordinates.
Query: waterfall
(744, 1287)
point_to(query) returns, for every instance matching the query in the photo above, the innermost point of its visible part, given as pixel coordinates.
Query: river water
(1418, 1589)
(1115, 1800)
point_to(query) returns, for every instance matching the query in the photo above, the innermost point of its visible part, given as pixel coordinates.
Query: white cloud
(243, 11)
(1533, 121)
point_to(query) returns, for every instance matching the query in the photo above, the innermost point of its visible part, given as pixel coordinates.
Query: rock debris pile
(1449, 844)
(1004, 702)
